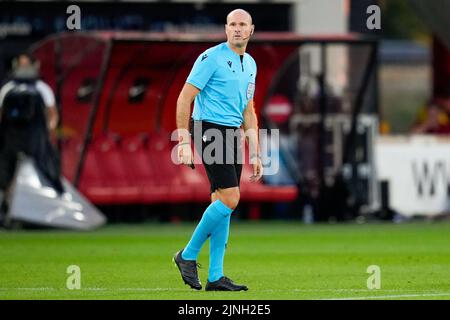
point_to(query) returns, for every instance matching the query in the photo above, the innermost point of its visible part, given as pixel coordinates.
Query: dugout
(117, 95)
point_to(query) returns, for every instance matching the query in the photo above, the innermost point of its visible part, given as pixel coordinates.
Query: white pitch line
(394, 296)
(149, 289)
(29, 289)
(412, 291)
(356, 290)
(92, 289)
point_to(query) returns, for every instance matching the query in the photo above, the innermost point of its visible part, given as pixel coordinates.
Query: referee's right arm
(184, 102)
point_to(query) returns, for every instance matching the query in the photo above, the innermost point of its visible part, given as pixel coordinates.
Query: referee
(222, 82)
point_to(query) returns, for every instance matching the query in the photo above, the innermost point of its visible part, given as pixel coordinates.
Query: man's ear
(253, 30)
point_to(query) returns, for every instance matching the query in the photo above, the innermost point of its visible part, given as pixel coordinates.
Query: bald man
(222, 82)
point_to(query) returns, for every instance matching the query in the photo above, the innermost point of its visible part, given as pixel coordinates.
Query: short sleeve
(252, 85)
(204, 67)
(4, 90)
(46, 93)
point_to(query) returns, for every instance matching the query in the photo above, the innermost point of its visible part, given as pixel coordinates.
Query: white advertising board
(417, 168)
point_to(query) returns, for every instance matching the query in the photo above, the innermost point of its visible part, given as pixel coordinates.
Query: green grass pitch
(277, 260)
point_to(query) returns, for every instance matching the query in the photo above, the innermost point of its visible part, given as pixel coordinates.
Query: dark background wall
(23, 23)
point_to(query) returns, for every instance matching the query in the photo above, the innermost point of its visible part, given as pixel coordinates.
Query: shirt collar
(231, 50)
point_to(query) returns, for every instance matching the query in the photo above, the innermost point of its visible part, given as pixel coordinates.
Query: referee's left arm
(251, 133)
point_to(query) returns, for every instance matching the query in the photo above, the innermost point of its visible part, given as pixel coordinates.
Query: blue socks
(217, 246)
(215, 223)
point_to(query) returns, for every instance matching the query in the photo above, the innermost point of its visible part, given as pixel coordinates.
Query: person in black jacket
(27, 113)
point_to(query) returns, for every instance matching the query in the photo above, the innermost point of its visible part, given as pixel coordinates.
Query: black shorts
(221, 156)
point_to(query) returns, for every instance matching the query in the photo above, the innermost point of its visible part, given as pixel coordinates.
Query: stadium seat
(104, 175)
(139, 169)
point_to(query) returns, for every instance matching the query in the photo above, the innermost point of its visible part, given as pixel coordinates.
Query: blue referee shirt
(226, 85)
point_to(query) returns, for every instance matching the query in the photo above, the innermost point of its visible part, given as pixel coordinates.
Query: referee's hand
(185, 155)
(257, 169)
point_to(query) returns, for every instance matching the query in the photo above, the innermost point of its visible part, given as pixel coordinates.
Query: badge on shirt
(250, 90)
